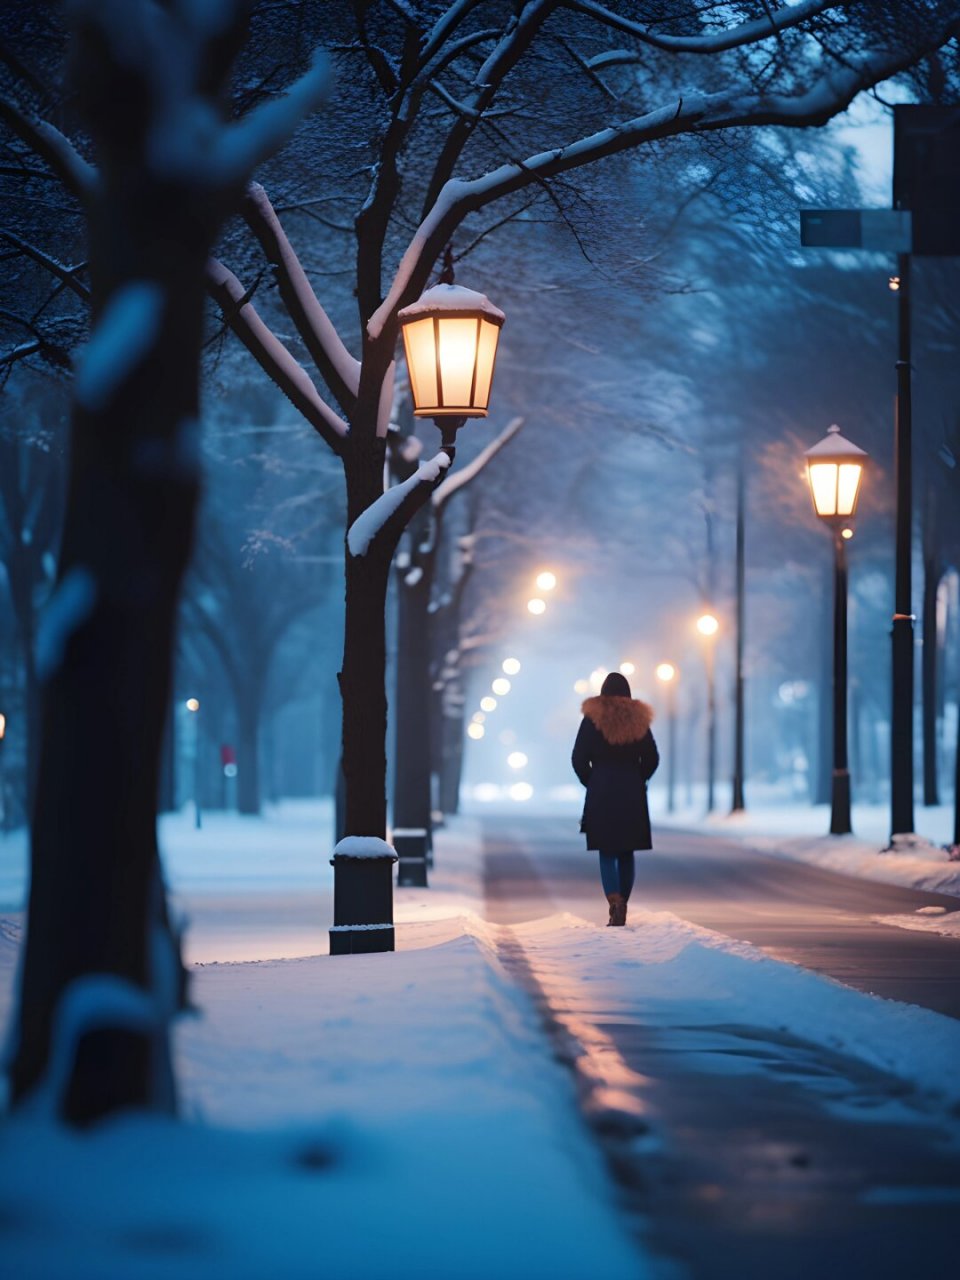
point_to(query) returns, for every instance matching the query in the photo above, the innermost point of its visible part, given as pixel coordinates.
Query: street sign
(883, 230)
(926, 176)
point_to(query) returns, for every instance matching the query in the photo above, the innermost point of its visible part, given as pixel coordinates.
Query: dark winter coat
(614, 756)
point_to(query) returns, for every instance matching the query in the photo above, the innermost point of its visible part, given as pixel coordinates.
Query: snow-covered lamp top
(835, 469)
(450, 336)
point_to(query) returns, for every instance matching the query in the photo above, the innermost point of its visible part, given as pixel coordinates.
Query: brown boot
(618, 909)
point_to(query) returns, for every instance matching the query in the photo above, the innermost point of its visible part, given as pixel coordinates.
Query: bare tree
(101, 965)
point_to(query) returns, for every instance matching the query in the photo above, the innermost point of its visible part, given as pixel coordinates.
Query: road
(763, 1156)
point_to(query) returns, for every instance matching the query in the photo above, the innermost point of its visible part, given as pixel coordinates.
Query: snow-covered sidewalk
(404, 1114)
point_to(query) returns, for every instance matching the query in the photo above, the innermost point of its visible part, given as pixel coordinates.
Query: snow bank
(664, 972)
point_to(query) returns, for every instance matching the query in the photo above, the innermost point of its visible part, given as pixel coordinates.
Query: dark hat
(615, 686)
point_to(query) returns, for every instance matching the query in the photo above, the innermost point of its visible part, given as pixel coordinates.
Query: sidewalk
(368, 1116)
(407, 1114)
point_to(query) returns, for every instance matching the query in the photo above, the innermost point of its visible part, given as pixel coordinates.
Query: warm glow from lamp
(846, 533)
(511, 666)
(193, 704)
(536, 605)
(834, 471)
(475, 731)
(666, 671)
(627, 668)
(521, 791)
(450, 337)
(581, 686)
(3, 726)
(546, 581)
(478, 717)
(707, 624)
(488, 703)
(500, 686)
(516, 759)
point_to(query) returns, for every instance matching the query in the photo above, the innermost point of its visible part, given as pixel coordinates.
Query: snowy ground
(399, 1114)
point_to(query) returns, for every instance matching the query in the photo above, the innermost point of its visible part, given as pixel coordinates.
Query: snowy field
(375, 1115)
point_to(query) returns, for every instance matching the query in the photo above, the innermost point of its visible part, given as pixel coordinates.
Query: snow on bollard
(362, 895)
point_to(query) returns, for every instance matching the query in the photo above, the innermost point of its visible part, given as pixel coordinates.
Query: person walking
(614, 756)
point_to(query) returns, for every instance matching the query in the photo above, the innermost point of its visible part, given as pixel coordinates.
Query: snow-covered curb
(666, 973)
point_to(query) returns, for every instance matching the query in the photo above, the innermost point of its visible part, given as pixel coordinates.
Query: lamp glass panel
(848, 487)
(421, 362)
(823, 484)
(486, 355)
(458, 353)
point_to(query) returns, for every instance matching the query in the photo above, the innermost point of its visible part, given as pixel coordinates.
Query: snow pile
(402, 1116)
(663, 972)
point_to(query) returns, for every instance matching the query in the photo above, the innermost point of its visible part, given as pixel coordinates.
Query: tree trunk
(928, 657)
(95, 903)
(412, 756)
(248, 704)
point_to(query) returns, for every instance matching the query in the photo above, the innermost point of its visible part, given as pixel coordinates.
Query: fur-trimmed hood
(620, 720)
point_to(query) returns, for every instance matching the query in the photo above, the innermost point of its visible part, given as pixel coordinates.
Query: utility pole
(738, 711)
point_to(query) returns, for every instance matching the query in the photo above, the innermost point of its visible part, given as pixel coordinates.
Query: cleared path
(816, 918)
(761, 1155)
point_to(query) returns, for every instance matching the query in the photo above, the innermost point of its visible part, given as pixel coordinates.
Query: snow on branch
(254, 138)
(696, 113)
(123, 335)
(391, 511)
(76, 174)
(744, 33)
(473, 468)
(272, 356)
(340, 370)
(67, 274)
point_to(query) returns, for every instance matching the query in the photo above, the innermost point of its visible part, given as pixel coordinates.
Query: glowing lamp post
(193, 707)
(450, 337)
(834, 472)
(667, 675)
(708, 626)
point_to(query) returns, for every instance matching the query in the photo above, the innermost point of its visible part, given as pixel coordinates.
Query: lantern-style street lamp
(708, 626)
(667, 675)
(835, 472)
(450, 337)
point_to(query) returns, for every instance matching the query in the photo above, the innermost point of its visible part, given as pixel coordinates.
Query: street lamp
(708, 626)
(667, 675)
(450, 337)
(193, 706)
(546, 581)
(835, 471)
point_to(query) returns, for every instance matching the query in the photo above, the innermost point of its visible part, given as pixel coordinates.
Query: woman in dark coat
(614, 756)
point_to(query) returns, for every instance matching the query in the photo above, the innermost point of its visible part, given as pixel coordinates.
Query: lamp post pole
(840, 789)
(901, 719)
(739, 803)
(667, 674)
(708, 626)
(834, 471)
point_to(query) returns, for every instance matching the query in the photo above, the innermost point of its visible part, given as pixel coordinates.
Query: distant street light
(627, 668)
(488, 704)
(835, 472)
(510, 666)
(501, 686)
(193, 706)
(708, 626)
(667, 675)
(546, 581)
(517, 760)
(536, 605)
(475, 731)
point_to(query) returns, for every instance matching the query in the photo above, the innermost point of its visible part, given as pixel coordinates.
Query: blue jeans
(616, 872)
